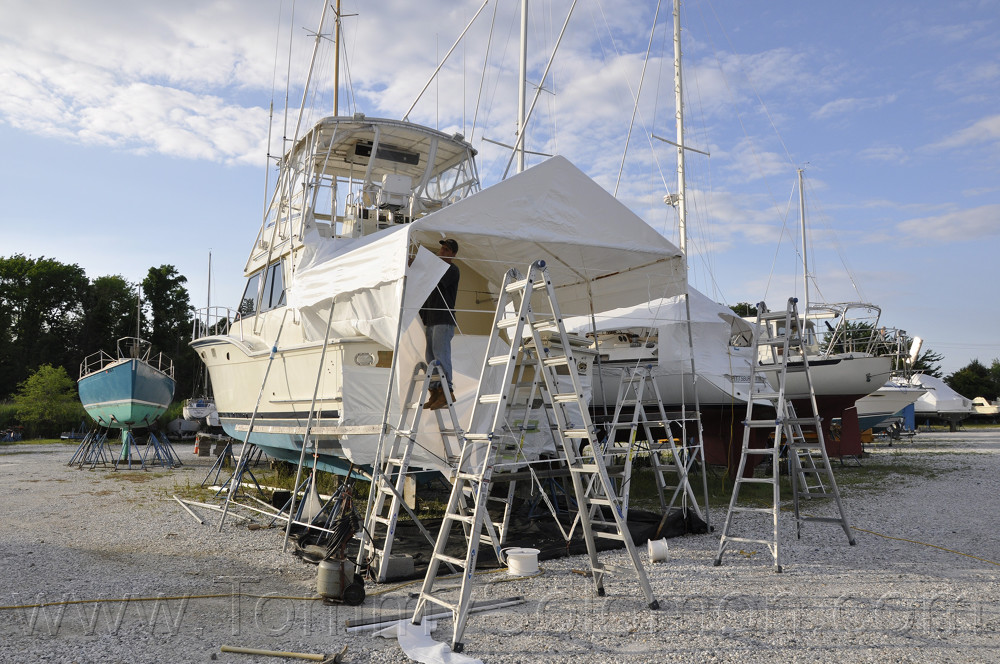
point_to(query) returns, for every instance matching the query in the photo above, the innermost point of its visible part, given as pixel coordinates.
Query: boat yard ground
(104, 566)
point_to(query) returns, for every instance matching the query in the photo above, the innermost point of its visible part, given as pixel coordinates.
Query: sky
(137, 133)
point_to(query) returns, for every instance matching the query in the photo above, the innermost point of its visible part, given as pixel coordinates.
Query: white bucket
(519, 561)
(657, 550)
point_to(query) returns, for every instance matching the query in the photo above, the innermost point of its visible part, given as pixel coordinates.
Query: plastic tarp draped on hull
(598, 254)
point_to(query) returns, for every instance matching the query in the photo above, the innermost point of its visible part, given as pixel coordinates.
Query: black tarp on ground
(537, 531)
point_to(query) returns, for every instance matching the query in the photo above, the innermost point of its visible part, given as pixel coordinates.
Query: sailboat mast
(336, 62)
(805, 260)
(522, 82)
(679, 102)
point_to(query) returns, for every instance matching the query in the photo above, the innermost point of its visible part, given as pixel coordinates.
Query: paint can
(657, 550)
(520, 561)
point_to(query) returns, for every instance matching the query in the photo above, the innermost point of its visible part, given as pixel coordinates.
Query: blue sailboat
(129, 391)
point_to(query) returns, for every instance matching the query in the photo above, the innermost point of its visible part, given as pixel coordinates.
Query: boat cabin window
(274, 288)
(273, 295)
(248, 303)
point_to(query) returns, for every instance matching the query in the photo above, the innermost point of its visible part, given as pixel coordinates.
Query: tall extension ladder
(390, 472)
(801, 437)
(491, 434)
(639, 392)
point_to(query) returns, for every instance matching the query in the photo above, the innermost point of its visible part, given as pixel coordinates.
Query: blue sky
(135, 133)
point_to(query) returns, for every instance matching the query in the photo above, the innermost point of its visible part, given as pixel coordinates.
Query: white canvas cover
(597, 252)
(939, 398)
(712, 327)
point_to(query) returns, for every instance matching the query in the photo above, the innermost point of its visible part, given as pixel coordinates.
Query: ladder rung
(756, 480)
(566, 397)
(457, 562)
(608, 535)
(576, 433)
(746, 540)
(761, 424)
(498, 360)
(490, 398)
(556, 361)
(521, 284)
(821, 519)
(437, 600)
(507, 323)
(759, 510)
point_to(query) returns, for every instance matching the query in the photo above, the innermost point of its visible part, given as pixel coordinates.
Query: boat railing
(100, 360)
(213, 321)
(96, 362)
(161, 363)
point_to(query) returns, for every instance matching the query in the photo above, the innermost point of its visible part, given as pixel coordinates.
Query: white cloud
(839, 107)
(972, 225)
(985, 130)
(138, 76)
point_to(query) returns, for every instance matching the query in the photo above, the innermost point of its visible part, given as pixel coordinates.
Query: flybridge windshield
(353, 176)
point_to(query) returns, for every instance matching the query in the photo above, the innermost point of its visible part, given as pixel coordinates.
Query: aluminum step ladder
(526, 309)
(390, 475)
(672, 457)
(797, 436)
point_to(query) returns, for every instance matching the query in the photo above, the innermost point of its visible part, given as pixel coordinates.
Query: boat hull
(276, 394)
(885, 402)
(126, 394)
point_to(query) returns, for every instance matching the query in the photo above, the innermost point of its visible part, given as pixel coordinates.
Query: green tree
(111, 313)
(744, 309)
(41, 308)
(170, 322)
(929, 362)
(971, 381)
(47, 402)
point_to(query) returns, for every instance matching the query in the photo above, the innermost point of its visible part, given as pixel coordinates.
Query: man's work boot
(444, 402)
(435, 398)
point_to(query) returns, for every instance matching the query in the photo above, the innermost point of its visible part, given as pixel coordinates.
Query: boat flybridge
(344, 182)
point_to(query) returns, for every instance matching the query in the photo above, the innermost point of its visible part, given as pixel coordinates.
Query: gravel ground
(921, 585)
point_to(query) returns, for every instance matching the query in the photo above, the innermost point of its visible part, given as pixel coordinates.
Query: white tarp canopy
(597, 252)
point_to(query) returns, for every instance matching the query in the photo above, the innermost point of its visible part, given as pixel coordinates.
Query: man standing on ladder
(438, 317)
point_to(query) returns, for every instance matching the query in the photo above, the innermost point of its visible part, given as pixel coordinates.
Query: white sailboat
(844, 361)
(327, 328)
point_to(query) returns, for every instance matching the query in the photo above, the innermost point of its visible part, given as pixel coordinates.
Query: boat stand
(224, 461)
(233, 485)
(129, 455)
(161, 451)
(92, 449)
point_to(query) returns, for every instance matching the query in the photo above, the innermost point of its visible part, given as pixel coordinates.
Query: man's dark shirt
(439, 309)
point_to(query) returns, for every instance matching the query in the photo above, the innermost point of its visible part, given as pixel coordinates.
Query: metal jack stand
(128, 454)
(162, 452)
(93, 450)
